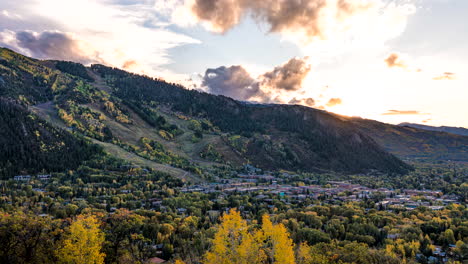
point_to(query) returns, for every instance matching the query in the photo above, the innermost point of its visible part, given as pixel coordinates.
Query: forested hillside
(191, 130)
(274, 136)
(30, 145)
(414, 143)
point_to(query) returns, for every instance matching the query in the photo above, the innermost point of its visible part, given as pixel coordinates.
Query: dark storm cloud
(288, 76)
(280, 15)
(334, 101)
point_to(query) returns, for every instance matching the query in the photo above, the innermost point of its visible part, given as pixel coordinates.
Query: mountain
(454, 130)
(268, 136)
(186, 133)
(414, 143)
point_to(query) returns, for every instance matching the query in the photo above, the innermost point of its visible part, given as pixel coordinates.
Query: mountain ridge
(462, 131)
(193, 131)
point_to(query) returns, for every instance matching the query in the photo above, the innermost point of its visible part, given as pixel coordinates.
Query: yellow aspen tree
(83, 243)
(279, 246)
(233, 244)
(250, 250)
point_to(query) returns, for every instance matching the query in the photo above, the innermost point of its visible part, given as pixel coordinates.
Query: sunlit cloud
(404, 112)
(426, 120)
(333, 102)
(271, 87)
(322, 28)
(49, 45)
(394, 60)
(111, 32)
(313, 19)
(446, 76)
(288, 76)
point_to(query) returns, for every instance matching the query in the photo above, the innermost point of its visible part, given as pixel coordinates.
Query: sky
(389, 60)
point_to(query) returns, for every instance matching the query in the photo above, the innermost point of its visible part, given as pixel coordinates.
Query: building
(22, 178)
(44, 177)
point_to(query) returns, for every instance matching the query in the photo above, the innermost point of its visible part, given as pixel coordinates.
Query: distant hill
(187, 131)
(454, 130)
(414, 143)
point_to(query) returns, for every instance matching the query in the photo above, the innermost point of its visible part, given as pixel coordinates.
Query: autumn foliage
(83, 243)
(238, 243)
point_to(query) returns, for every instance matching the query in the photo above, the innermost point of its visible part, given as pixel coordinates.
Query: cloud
(447, 76)
(308, 17)
(129, 64)
(427, 120)
(288, 76)
(116, 31)
(403, 112)
(304, 101)
(48, 45)
(343, 24)
(333, 102)
(234, 82)
(394, 60)
(237, 83)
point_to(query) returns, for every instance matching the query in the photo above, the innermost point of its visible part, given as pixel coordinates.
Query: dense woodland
(30, 145)
(136, 214)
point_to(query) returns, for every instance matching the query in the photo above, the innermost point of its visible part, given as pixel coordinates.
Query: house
(22, 178)
(44, 177)
(182, 210)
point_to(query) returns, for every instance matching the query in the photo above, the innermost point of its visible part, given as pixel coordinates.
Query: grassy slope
(48, 112)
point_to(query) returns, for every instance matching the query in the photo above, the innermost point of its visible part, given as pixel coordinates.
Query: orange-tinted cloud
(282, 16)
(426, 120)
(445, 76)
(237, 83)
(403, 112)
(334, 101)
(394, 60)
(288, 76)
(129, 64)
